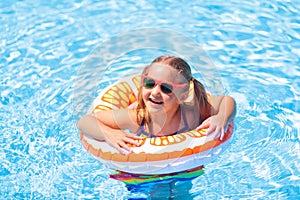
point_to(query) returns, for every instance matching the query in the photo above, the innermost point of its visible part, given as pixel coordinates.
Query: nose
(155, 91)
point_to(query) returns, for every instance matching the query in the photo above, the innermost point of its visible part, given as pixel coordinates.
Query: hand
(215, 124)
(119, 139)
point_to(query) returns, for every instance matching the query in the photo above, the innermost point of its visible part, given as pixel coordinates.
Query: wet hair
(184, 69)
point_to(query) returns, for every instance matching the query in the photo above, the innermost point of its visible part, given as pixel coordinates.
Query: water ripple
(255, 47)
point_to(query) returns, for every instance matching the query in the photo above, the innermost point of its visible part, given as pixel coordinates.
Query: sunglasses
(165, 87)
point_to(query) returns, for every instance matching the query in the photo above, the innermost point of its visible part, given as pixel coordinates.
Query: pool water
(56, 56)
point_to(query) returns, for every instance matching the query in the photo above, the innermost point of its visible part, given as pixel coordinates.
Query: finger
(210, 130)
(132, 141)
(222, 134)
(136, 137)
(204, 124)
(121, 150)
(218, 134)
(125, 152)
(124, 146)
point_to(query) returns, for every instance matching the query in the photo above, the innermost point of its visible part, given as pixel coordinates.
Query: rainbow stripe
(138, 179)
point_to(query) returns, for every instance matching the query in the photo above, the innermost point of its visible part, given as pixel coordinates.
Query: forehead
(164, 72)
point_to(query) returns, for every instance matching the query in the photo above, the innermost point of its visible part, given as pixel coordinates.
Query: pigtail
(141, 111)
(202, 100)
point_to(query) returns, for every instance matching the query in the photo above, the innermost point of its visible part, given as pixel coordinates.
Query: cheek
(145, 94)
(170, 99)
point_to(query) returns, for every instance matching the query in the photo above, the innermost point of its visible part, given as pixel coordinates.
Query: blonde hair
(185, 70)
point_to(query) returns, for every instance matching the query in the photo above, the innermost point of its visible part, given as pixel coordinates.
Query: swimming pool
(47, 49)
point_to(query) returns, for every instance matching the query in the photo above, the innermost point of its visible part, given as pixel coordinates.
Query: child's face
(159, 98)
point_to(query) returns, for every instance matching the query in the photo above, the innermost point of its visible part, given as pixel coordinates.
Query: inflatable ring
(159, 155)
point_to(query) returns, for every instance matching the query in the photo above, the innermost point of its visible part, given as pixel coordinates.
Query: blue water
(56, 56)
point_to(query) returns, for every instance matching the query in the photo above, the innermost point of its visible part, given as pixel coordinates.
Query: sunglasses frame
(156, 82)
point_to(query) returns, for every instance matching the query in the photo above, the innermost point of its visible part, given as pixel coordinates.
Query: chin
(154, 108)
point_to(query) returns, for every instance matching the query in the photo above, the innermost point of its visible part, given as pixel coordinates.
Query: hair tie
(190, 98)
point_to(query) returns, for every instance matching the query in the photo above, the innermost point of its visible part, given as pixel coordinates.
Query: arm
(108, 125)
(223, 112)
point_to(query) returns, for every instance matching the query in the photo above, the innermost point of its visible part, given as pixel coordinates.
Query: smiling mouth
(155, 102)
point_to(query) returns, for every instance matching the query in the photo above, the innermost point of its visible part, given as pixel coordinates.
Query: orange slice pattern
(120, 95)
(197, 133)
(137, 81)
(101, 107)
(167, 140)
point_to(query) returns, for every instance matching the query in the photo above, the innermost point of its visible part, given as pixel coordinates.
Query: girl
(162, 108)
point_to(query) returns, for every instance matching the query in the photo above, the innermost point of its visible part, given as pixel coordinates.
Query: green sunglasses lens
(149, 83)
(166, 88)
